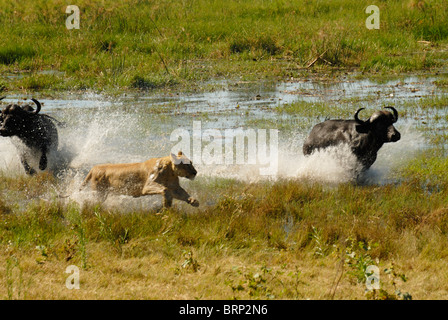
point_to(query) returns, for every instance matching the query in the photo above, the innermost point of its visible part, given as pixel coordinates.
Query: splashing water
(333, 165)
(116, 137)
(9, 158)
(100, 131)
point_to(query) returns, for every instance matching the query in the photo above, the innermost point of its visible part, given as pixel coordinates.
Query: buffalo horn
(395, 113)
(38, 106)
(356, 116)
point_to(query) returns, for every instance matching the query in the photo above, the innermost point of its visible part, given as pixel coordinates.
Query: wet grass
(161, 45)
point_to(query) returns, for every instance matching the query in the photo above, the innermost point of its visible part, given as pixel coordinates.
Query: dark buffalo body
(364, 138)
(36, 131)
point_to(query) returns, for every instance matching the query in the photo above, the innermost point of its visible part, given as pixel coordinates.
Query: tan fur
(154, 176)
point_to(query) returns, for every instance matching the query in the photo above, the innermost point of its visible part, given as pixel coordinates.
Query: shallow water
(136, 127)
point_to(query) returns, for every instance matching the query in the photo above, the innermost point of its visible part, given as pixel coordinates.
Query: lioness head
(182, 166)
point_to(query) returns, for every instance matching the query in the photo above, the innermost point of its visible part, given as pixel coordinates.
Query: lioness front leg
(181, 194)
(152, 187)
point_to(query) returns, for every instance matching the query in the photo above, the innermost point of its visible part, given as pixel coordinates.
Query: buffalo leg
(43, 159)
(26, 166)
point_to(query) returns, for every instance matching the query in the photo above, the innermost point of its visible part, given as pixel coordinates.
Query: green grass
(180, 43)
(12, 54)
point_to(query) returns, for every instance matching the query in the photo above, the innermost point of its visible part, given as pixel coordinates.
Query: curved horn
(356, 117)
(395, 113)
(38, 106)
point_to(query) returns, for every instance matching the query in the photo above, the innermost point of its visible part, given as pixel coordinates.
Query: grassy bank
(149, 45)
(268, 240)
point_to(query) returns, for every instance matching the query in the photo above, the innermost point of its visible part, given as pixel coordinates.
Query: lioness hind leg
(102, 195)
(102, 190)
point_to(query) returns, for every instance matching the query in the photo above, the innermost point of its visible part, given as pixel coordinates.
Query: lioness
(154, 176)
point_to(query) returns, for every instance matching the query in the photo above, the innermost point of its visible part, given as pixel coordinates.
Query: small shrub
(190, 262)
(358, 259)
(383, 294)
(254, 284)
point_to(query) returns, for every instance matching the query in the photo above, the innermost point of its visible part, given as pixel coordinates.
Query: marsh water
(134, 127)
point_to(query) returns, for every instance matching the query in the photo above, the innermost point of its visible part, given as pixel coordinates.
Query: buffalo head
(380, 124)
(14, 118)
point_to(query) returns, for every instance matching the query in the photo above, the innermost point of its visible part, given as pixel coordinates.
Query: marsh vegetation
(127, 78)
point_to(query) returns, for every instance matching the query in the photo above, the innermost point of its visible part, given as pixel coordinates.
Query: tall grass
(265, 240)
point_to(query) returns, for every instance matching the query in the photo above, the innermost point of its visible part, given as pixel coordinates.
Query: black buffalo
(364, 138)
(37, 132)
